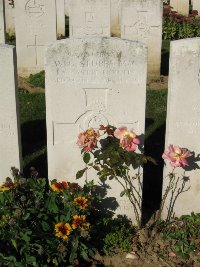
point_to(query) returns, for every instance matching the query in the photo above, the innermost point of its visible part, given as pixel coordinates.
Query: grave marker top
(35, 29)
(91, 81)
(10, 139)
(2, 22)
(183, 116)
(142, 21)
(89, 18)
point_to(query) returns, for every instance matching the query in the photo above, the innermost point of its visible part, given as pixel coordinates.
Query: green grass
(38, 79)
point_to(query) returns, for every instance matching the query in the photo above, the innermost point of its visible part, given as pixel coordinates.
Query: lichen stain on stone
(85, 53)
(119, 56)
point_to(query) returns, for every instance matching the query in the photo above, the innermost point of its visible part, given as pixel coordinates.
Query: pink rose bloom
(177, 156)
(172, 254)
(128, 139)
(88, 139)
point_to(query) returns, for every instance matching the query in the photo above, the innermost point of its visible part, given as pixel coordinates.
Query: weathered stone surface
(115, 18)
(92, 81)
(10, 139)
(183, 118)
(181, 6)
(2, 22)
(10, 17)
(60, 10)
(142, 21)
(89, 18)
(67, 7)
(196, 6)
(35, 27)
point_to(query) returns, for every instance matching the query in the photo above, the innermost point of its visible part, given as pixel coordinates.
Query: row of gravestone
(183, 6)
(93, 81)
(35, 27)
(62, 7)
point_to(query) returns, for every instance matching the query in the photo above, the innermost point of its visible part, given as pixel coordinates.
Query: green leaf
(45, 226)
(86, 158)
(80, 173)
(97, 168)
(14, 243)
(123, 193)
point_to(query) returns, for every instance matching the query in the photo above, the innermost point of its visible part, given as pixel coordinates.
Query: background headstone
(10, 138)
(196, 6)
(183, 117)
(67, 7)
(115, 18)
(35, 27)
(60, 10)
(181, 6)
(10, 17)
(89, 18)
(142, 21)
(89, 82)
(2, 22)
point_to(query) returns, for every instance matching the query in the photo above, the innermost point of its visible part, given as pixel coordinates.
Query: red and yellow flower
(7, 186)
(59, 186)
(82, 202)
(63, 230)
(79, 221)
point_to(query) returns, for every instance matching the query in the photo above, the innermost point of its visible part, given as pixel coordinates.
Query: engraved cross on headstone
(35, 45)
(142, 25)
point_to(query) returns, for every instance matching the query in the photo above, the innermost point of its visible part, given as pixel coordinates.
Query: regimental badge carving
(35, 8)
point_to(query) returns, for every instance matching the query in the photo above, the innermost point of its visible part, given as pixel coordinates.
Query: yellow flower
(63, 230)
(79, 221)
(82, 202)
(59, 186)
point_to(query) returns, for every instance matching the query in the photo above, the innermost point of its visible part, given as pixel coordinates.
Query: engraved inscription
(35, 8)
(124, 205)
(95, 68)
(35, 47)
(6, 129)
(191, 127)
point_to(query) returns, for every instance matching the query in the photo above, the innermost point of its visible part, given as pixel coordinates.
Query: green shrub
(177, 26)
(38, 79)
(42, 225)
(184, 234)
(117, 234)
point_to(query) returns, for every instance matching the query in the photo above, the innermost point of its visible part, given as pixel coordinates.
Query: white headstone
(2, 22)
(183, 118)
(89, 82)
(35, 27)
(67, 7)
(196, 6)
(60, 10)
(181, 6)
(142, 21)
(89, 18)
(10, 139)
(115, 18)
(10, 17)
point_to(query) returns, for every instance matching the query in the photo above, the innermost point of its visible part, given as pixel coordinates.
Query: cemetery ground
(176, 245)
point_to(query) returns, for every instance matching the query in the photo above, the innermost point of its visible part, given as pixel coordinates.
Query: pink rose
(177, 156)
(88, 139)
(128, 139)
